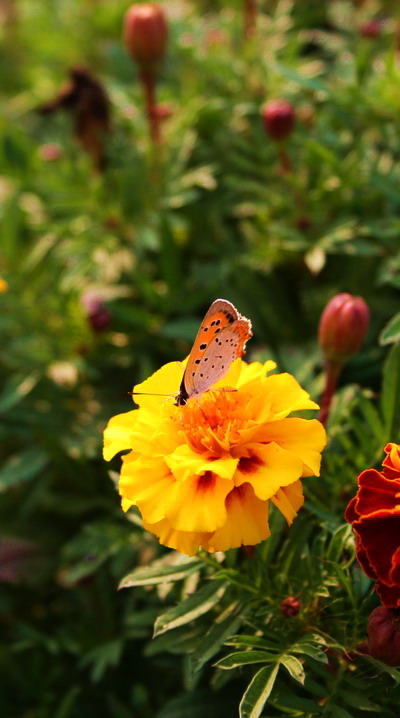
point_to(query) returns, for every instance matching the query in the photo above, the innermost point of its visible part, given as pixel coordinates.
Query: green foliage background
(159, 236)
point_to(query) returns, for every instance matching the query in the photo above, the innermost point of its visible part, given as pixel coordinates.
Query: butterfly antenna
(147, 393)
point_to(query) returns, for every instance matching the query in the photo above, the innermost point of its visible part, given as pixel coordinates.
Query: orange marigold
(202, 475)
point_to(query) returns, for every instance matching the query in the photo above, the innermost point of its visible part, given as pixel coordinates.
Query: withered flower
(87, 101)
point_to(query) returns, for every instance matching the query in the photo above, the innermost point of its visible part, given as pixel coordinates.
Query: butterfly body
(220, 340)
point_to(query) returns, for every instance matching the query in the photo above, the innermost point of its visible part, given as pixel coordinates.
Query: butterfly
(220, 340)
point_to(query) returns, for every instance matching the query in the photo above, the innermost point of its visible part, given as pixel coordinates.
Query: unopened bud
(343, 326)
(146, 34)
(384, 635)
(99, 317)
(278, 118)
(371, 28)
(290, 606)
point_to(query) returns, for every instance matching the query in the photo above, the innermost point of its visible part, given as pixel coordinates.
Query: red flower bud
(278, 118)
(290, 606)
(99, 317)
(146, 34)
(384, 635)
(343, 326)
(371, 28)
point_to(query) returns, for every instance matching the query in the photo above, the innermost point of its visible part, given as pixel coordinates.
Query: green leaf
(294, 667)
(102, 657)
(337, 712)
(391, 332)
(258, 692)
(17, 389)
(153, 575)
(244, 658)
(283, 700)
(22, 467)
(390, 399)
(190, 609)
(248, 641)
(358, 700)
(223, 627)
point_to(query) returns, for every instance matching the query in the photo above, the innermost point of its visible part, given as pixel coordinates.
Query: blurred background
(138, 185)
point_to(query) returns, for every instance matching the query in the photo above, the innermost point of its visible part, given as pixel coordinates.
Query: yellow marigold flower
(202, 475)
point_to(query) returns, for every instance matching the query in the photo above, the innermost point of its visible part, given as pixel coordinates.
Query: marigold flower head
(203, 474)
(374, 514)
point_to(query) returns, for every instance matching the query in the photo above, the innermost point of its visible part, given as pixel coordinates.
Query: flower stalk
(145, 37)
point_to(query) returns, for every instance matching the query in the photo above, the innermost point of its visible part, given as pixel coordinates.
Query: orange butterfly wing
(220, 340)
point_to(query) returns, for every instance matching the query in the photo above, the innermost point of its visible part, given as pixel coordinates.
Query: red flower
(375, 516)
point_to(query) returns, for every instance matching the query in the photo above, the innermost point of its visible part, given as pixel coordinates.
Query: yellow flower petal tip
(203, 475)
(3, 285)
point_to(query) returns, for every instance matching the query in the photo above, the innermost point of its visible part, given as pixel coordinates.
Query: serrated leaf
(244, 658)
(294, 666)
(391, 332)
(190, 609)
(153, 575)
(22, 467)
(390, 399)
(258, 692)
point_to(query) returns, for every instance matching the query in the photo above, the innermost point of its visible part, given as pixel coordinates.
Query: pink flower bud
(278, 118)
(146, 34)
(343, 326)
(50, 152)
(384, 635)
(290, 606)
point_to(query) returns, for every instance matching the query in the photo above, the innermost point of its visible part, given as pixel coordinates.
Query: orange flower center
(213, 425)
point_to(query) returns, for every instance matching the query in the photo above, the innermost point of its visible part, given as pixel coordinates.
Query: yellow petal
(185, 542)
(246, 523)
(304, 438)
(286, 395)
(164, 381)
(232, 377)
(185, 463)
(253, 373)
(198, 504)
(146, 482)
(118, 433)
(126, 504)
(288, 500)
(267, 467)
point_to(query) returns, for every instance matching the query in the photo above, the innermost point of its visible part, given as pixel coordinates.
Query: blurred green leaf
(22, 467)
(391, 333)
(16, 389)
